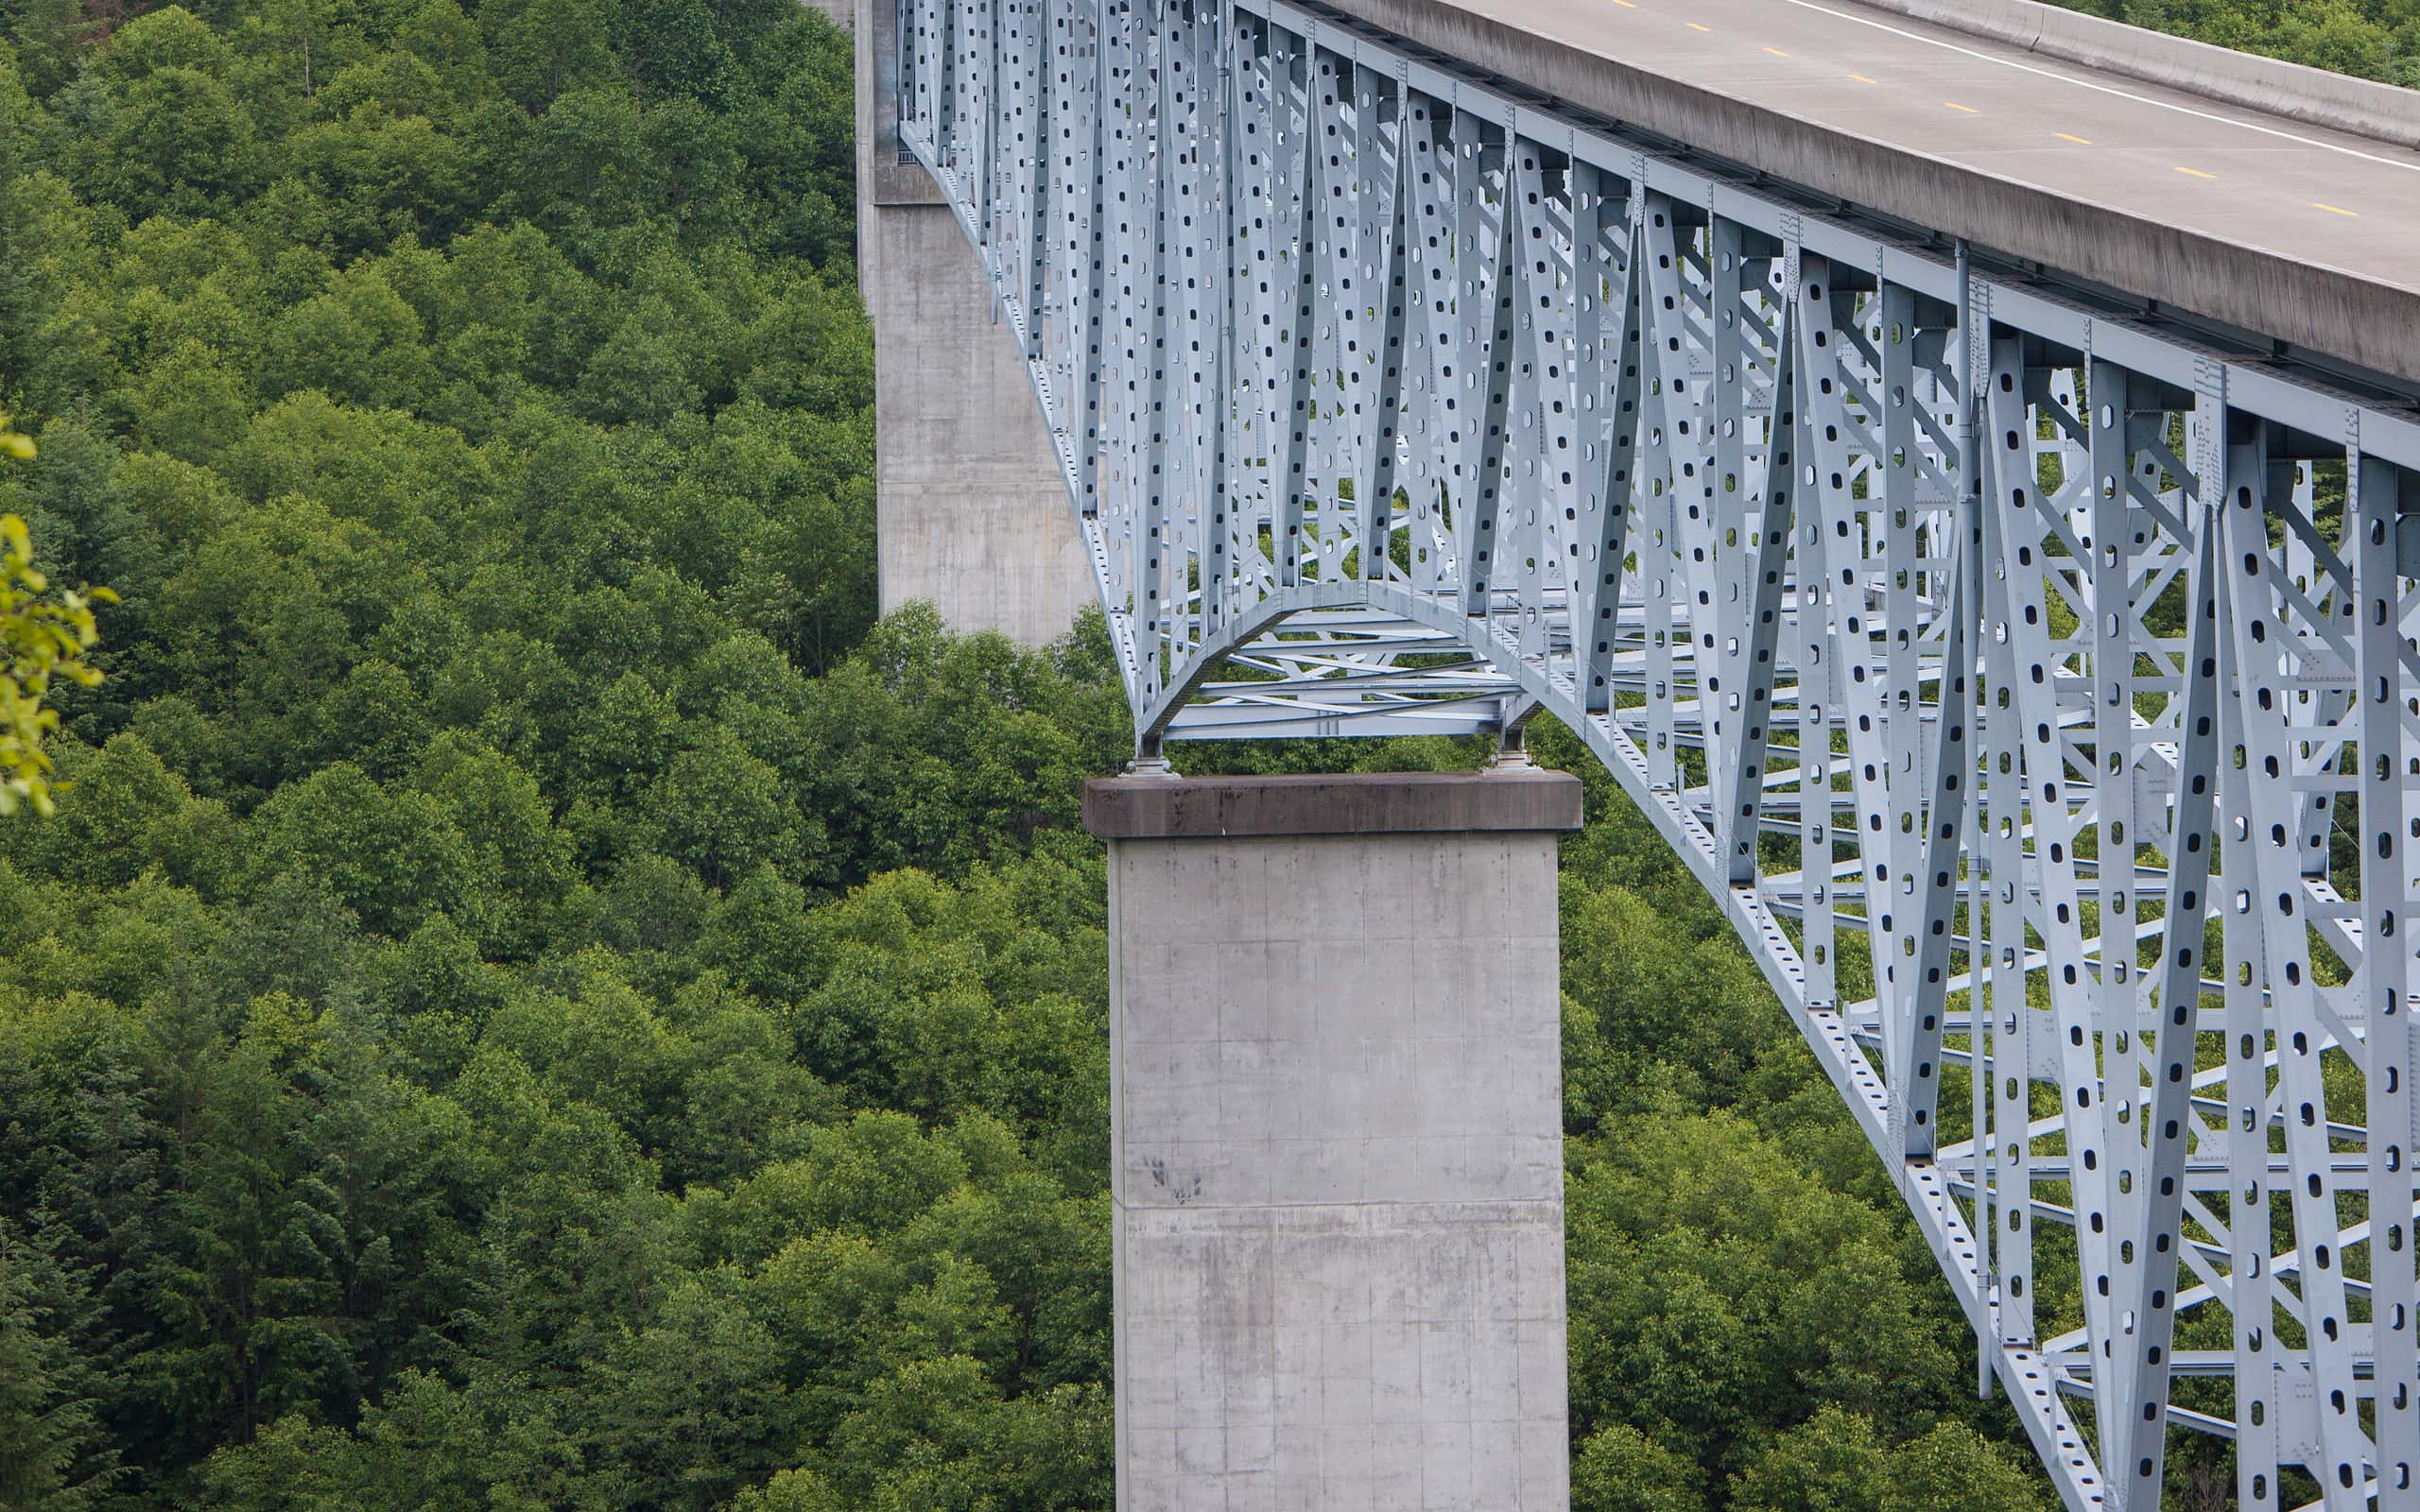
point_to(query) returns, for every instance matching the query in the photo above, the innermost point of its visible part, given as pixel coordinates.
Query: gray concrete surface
(2359, 105)
(971, 511)
(1337, 1172)
(1154, 808)
(2215, 210)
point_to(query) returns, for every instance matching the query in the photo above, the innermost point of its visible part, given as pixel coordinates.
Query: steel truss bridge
(1962, 634)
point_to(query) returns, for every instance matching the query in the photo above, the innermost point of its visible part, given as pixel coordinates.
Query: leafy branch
(43, 635)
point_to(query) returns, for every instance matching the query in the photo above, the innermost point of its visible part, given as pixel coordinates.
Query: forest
(531, 997)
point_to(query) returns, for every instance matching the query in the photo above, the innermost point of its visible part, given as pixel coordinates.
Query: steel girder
(1961, 633)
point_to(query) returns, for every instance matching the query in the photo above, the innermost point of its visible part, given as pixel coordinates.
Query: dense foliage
(533, 999)
(46, 635)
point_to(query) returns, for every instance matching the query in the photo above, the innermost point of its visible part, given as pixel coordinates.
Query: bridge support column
(1337, 1160)
(971, 511)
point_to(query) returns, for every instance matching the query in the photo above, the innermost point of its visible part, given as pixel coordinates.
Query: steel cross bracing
(1390, 402)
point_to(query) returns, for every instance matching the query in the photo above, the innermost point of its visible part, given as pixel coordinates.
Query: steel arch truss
(1963, 636)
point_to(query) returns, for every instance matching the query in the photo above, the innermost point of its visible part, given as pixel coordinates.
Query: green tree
(642, 374)
(44, 636)
(192, 403)
(390, 855)
(52, 1455)
(358, 341)
(546, 49)
(1620, 1469)
(697, 1409)
(722, 810)
(177, 143)
(1837, 1463)
(790, 1491)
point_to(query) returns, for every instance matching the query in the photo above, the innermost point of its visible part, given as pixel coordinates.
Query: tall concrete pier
(1338, 1153)
(971, 511)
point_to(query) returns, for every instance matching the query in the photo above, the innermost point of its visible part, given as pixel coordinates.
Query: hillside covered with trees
(532, 998)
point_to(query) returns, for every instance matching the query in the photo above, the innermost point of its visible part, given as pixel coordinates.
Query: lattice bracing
(2032, 682)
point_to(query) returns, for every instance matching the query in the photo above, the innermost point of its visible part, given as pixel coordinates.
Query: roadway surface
(1941, 123)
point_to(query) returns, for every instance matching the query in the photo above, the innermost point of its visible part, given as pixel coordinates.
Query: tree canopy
(534, 998)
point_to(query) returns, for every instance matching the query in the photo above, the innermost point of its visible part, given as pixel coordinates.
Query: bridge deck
(2221, 211)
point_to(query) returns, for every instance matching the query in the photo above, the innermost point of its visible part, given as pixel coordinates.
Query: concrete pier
(971, 511)
(1337, 1152)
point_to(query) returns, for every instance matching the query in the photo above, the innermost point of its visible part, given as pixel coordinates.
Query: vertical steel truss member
(1390, 405)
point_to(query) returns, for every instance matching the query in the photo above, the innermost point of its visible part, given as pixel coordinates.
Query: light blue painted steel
(1393, 403)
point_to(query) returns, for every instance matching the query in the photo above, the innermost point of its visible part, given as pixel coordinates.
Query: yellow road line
(1694, 26)
(2082, 141)
(1862, 79)
(1776, 52)
(1968, 109)
(2194, 172)
(2335, 209)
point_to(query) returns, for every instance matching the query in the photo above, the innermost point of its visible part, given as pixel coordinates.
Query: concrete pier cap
(1337, 1140)
(1209, 808)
